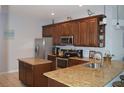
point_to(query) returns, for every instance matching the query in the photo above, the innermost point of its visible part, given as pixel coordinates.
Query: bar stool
(119, 83)
(122, 78)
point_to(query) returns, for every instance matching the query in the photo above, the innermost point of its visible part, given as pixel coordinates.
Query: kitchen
(72, 38)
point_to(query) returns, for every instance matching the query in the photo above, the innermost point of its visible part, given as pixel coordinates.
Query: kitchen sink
(93, 65)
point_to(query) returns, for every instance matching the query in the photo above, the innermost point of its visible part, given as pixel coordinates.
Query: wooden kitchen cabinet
(56, 34)
(47, 31)
(66, 29)
(75, 32)
(22, 72)
(87, 32)
(26, 73)
(52, 31)
(84, 33)
(62, 29)
(93, 32)
(53, 59)
(73, 62)
(32, 75)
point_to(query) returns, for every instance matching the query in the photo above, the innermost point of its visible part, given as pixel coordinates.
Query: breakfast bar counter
(82, 76)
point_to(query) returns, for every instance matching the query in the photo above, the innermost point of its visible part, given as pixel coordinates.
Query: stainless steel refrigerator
(43, 46)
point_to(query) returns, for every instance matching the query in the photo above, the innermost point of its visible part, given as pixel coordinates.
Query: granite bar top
(34, 61)
(82, 76)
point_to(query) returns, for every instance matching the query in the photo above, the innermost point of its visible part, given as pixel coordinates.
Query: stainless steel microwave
(66, 40)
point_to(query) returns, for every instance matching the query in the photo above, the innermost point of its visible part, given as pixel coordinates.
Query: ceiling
(43, 12)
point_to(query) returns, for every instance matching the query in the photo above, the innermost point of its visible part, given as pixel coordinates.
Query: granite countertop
(34, 61)
(81, 76)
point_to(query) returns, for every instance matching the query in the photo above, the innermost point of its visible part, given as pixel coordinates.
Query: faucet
(98, 57)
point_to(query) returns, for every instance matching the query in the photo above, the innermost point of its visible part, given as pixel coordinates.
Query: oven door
(62, 62)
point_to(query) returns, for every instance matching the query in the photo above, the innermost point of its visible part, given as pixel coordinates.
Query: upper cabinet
(93, 32)
(56, 34)
(87, 31)
(47, 31)
(84, 33)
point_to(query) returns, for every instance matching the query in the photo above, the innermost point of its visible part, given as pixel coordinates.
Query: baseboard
(11, 71)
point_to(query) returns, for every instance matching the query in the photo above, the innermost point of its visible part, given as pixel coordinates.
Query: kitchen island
(31, 71)
(82, 76)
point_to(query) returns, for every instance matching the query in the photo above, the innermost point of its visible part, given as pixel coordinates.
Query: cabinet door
(93, 32)
(84, 33)
(66, 28)
(22, 72)
(53, 59)
(39, 79)
(29, 75)
(47, 31)
(75, 32)
(56, 34)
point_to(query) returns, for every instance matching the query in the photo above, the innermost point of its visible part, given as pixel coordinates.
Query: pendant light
(104, 19)
(117, 24)
(53, 14)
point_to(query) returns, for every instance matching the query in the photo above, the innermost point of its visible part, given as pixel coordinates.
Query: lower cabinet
(32, 75)
(28, 74)
(73, 62)
(53, 59)
(22, 72)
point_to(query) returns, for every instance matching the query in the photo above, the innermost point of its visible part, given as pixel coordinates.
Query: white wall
(3, 41)
(21, 45)
(114, 38)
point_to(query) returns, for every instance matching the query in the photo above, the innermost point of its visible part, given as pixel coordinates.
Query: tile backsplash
(85, 49)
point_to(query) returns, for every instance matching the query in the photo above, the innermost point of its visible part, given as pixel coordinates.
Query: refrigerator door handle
(37, 49)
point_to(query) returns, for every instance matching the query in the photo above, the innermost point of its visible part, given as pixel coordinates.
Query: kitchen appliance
(61, 62)
(70, 54)
(117, 78)
(80, 53)
(55, 50)
(66, 40)
(43, 46)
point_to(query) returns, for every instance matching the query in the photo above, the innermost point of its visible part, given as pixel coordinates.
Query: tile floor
(10, 80)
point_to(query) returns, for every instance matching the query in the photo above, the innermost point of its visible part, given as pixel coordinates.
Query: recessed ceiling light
(52, 14)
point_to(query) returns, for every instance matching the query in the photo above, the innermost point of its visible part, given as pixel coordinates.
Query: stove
(61, 62)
